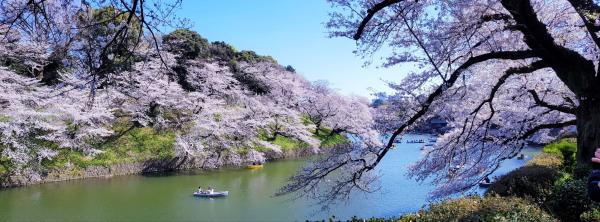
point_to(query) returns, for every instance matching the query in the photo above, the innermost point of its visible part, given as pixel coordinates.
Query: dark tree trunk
(588, 130)
(335, 131)
(273, 137)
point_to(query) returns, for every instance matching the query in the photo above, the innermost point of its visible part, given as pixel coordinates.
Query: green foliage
(218, 117)
(569, 200)
(482, 209)
(137, 144)
(5, 163)
(590, 216)
(118, 55)
(305, 119)
(329, 140)
(553, 181)
(4, 119)
(222, 51)
(582, 172)
(287, 143)
(290, 68)
(144, 144)
(16, 65)
(252, 57)
(248, 79)
(261, 148)
(186, 43)
(533, 181)
(565, 148)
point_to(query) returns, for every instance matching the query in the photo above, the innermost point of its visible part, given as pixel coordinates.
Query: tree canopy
(502, 72)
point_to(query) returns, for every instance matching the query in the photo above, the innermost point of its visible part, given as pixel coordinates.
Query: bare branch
(543, 103)
(370, 13)
(546, 126)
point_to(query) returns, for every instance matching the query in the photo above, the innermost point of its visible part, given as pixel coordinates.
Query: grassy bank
(131, 145)
(136, 145)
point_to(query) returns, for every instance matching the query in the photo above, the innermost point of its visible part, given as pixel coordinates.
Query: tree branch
(586, 10)
(543, 103)
(577, 72)
(507, 55)
(370, 13)
(537, 128)
(537, 65)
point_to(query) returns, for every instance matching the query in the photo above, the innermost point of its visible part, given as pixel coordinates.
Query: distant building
(437, 123)
(433, 125)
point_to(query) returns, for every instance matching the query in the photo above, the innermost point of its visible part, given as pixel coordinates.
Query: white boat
(213, 194)
(484, 184)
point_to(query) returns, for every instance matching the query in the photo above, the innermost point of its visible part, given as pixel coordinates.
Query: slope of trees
(180, 97)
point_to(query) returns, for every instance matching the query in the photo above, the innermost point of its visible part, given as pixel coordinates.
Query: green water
(168, 198)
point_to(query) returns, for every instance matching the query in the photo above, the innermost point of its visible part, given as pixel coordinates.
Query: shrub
(222, 51)
(482, 209)
(546, 160)
(565, 148)
(590, 216)
(533, 181)
(252, 57)
(186, 43)
(290, 68)
(6, 164)
(569, 200)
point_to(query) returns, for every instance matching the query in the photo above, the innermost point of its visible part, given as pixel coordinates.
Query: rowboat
(254, 167)
(214, 194)
(484, 184)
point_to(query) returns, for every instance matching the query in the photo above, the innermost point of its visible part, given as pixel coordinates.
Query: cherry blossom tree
(33, 114)
(93, 34)
(502, 71)
(89, 68)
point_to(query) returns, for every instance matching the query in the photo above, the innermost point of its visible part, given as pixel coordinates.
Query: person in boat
(486, 179)
(200, 189)
(210, 190)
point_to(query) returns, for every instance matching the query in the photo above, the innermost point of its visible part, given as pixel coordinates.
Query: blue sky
(293, 32)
